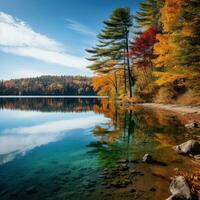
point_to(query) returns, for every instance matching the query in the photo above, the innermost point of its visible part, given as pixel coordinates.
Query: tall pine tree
(113, 45)
(149, 14)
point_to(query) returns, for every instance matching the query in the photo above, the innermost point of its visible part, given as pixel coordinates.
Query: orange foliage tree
(106, 84)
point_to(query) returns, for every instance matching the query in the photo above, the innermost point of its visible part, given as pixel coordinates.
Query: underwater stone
(123, 167)
(197, 157)
(122, 161)
(147, 158)
(135, 161)
(152, 189)
(115, 184)
(127, 181)
(56, 189)
(192, 124)
(31, 190)
(132, 190)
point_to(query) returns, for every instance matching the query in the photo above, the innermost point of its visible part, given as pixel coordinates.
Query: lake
(87, 148)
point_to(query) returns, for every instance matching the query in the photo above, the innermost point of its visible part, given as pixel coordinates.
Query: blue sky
(49, 37)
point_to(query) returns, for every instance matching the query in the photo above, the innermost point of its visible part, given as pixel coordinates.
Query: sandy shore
(175, 108)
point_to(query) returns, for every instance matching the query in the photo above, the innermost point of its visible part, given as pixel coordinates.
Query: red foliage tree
(142, 48)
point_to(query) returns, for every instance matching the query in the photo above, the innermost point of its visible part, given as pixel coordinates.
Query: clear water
(70, 149)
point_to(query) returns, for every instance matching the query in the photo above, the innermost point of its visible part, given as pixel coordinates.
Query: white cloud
(16, 37)
(76, 26)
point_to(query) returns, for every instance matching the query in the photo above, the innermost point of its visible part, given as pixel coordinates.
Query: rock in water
(179, 189)
(122, 161)
(31, 190)
(192, 124)
(191, 146)
(197, 157)
(147, 158)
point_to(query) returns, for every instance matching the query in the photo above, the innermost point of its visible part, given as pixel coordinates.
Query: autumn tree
(106, 84)
(142, 55)
(142, 49)
(187, 34)
(48, 85)
(114, 46)
(165, 47)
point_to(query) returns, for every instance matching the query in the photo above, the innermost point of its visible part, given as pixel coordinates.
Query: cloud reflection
(18, 141)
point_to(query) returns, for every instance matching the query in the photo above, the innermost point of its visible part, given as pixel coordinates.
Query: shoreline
(181, 109)
(187, 112)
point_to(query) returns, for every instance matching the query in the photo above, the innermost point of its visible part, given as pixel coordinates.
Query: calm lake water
(70, 149)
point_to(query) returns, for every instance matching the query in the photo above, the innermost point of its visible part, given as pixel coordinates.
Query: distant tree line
(48, 85)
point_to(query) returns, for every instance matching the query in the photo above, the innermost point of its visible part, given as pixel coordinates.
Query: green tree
(149, 14)
(113, 45)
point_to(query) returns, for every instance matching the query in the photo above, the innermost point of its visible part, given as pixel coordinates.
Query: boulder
(192, 124)
(189, 147)
(147, 158)
(179, 189)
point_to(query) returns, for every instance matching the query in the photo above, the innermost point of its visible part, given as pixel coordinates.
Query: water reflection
(18, 140)
(83, 141)
(50, 104)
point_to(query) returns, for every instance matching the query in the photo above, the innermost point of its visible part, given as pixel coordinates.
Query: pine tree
(149, 14)
(114, 45)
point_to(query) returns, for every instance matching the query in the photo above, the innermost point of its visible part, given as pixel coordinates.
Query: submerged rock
(152, 189)
(56, 189)
(179, 189)
(14, 194)
(115, 184)
(191, 146)
(147, 158)
(192, 124)
(135, 161)
(120, 183)
(197, 157)
(132, 190)
(123, 167)
(122, 161)
(31, 190)
(127, 181)
(2, 193)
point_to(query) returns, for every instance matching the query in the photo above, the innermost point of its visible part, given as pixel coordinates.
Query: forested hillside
(152, 56)
(48, 85)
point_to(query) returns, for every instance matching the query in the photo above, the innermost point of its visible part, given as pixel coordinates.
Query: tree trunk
(125, 89)
(116, 83)
(128, 65)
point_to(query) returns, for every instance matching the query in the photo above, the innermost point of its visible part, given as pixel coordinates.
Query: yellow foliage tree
(106, 84)
(165, 47)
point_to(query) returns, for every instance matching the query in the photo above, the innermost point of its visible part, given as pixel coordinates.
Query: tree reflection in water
(127, 135)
